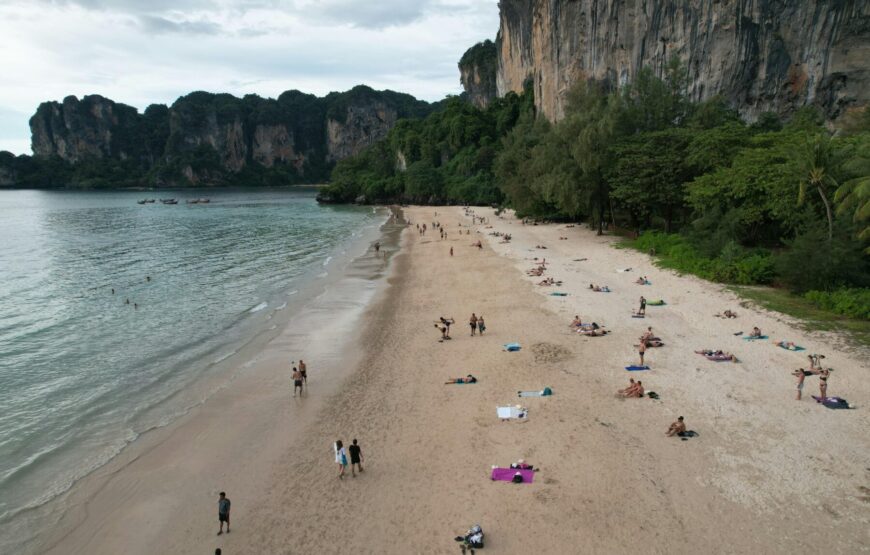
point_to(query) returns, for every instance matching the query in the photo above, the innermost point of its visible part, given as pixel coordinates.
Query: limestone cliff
(760, 55)
(477, 73)
(216, 139)
(362, 125)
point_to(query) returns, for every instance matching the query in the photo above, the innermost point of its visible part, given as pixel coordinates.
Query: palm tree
(853, 196)
(817, 164)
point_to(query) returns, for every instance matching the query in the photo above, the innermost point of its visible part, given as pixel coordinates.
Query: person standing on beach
(801, 376)
(473, 323)
(297, 381)
(303, 369)
(356, 458)
(340, 458)
(641, 349)
(481, 325)
(451, 251)
(223, 512)
(824, 373)
(642, 306)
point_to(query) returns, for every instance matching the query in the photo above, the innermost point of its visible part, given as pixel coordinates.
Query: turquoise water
(83, 373)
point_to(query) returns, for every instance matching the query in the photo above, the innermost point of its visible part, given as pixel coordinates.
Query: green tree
(817, 163)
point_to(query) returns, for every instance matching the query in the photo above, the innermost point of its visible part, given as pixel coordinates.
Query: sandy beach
(765, 474)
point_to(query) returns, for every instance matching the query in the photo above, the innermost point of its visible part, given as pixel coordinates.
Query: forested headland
(769, 202)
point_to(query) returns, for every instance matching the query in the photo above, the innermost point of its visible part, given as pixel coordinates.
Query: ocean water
(82, 372)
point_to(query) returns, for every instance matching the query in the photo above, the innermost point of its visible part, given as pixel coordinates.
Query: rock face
(477, 73)
(213, 139)
(93, 127)
(363, 125)
(760, 55)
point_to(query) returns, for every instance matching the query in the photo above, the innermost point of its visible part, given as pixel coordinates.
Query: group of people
(341, 458)
(634, 389)
(300, 377)
(815, 369)
(599, 289)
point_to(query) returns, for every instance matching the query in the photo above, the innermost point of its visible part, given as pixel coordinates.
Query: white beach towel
(512, 412)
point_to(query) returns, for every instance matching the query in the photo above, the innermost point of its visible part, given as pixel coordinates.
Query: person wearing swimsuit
(472, 322)
(823, 383)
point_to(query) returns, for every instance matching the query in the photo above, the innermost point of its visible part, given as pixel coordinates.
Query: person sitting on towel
(577, 322)
(756, 332)
(678, 427)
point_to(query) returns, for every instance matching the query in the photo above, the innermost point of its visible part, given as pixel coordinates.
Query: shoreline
(608, 477)
(347, 272)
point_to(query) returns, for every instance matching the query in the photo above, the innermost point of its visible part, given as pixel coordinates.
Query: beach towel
(794, 348)
(546, 392)
(622, 271)
(506, 413)
(558, 294)
(510, 347)
(638, 316)
(750, 338)
(507, 474)
(832, 402)
(657, 302)
(603, 290)
(634, 368)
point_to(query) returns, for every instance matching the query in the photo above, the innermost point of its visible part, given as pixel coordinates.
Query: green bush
(734, 264)
(853, 303)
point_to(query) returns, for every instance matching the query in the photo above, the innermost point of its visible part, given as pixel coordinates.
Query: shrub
(853, 303)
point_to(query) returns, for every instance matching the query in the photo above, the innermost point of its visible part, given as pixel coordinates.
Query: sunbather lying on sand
(521, 465)
(550, 281)
(787, 345)
(590, 332)
(717, 355)
(540, 247)
(597, 289)
(467, 379)
(726, 314)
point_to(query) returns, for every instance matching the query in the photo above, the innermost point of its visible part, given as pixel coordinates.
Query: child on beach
(223, 512)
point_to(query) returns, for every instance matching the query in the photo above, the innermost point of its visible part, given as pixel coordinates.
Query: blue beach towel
(512, 347)
(749, 338)
(634, 368)
(558, 294)
(795, 348)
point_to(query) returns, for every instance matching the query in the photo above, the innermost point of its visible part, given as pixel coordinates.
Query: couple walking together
(356, 458)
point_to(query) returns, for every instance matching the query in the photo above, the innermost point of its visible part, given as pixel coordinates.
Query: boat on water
(145, 201)
(198, 201)
(168, 201)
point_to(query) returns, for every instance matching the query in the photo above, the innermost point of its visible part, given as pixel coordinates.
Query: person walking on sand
(472, 322)
(356, 458)
(303, 369)
(340, 458)
(642, 306)
(641, 349)
(481, 325)
(297, 381)
(451, 251)
(223, 512)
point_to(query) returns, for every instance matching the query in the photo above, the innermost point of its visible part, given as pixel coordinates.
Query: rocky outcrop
(210, 139)
(93, 127)
(363, 125)
(477, 73)
(760, 55)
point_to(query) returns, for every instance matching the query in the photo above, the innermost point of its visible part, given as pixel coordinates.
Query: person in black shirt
(356, 458)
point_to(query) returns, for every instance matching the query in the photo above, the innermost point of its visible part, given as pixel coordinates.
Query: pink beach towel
(507, 474)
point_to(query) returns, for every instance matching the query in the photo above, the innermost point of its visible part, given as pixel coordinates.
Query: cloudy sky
(141, 52)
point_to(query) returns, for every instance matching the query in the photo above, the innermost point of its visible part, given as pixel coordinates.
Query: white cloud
(143, 52)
